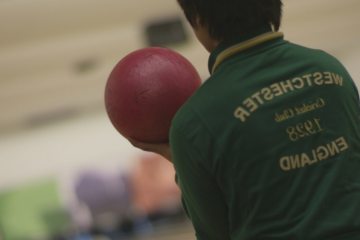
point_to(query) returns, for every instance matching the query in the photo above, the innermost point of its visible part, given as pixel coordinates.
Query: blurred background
(65, 173)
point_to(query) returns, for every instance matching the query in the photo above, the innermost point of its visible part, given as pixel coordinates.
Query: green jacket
(269, 146)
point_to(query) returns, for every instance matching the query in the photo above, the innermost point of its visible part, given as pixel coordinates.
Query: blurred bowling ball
(144, 91)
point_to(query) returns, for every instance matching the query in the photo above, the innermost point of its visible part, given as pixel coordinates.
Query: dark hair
(228, 18)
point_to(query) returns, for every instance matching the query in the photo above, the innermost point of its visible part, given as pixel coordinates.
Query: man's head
(225, 19)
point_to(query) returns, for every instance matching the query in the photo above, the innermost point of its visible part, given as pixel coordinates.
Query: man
(269, 146)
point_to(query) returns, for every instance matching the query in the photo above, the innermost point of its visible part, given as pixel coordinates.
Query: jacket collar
(231, 47)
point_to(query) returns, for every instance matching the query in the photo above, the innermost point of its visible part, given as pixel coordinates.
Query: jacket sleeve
(202, 198)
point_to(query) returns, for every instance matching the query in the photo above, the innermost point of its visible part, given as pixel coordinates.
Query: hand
(160, 148)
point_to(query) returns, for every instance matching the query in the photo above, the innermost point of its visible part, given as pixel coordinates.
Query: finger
(144, 146)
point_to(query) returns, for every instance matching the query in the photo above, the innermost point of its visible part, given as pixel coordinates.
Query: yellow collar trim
(245, 45)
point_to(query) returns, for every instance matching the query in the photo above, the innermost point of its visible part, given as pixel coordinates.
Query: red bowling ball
(144, 91)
